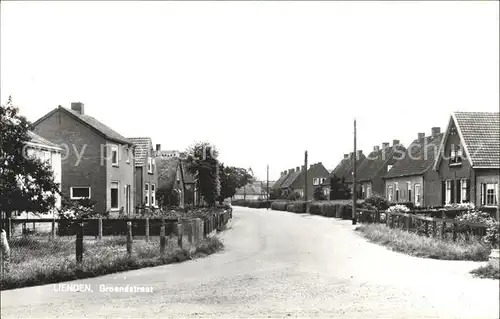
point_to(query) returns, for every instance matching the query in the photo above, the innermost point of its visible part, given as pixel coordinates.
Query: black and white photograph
(250, 159)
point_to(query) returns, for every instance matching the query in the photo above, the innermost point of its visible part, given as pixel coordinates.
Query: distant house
(145, 174)
(413, 178)
(377, 164)
(469, 159)
(97, 162)
(253, 191)
(174, 178)
(316, 176)
(280, 180)
(286, 185)
(343, 171)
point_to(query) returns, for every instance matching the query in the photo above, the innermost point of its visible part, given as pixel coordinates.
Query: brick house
(343, 171)
(174, 177)
(413, 178)
(291, 177)
(377, 164)
(316, 175)
(145, 173)
(97, 161)
(469, 159)
(280, 180)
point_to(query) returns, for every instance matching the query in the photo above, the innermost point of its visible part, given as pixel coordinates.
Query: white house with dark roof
(469, 159)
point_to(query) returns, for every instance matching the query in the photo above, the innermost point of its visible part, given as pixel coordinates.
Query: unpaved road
(278, 264)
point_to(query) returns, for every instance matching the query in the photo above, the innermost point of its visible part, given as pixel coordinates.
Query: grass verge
(488, 271)
(35, 262)
(420, 246)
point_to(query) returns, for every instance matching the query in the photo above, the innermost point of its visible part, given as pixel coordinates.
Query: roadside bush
(377, 201)
(293, 196)
(279, 206)
(410, 205)
(329, 209)
(492, 237)
(238, 202)
(298, 207)
(316, 208)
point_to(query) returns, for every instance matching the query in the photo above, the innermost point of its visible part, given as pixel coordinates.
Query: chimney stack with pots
(421, 135)
(395, 142)
(385, 145)
(297, 169)
(158, 147)
(346, 156)
(78, 107)
(376, 148)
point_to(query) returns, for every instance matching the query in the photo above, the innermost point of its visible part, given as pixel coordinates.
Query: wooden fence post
(454, 231)
(162, 240)
(99, 228)
(147, 229)
(427, 228)
(129, 238)
(443, 229)
(434, 226)
(79, 242)
(53, 230)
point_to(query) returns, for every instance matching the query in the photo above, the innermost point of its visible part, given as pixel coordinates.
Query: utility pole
(354, 188)
(267, 186)
(305, 182)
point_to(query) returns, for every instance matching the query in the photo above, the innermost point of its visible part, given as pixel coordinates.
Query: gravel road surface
(277, 264)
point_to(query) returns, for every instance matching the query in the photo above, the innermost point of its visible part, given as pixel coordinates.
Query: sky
(263, 81)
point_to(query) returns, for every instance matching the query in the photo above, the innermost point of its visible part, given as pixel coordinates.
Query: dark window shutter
(409, 196)
(459, 191)
(443, 192)
(467, 199)
(452, 191)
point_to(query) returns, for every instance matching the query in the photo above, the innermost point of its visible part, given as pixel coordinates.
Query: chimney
(158, 147)
(376, 148)
(436, 131)
(395, 142)
(319, 163)
(360, 152)
(291, 170)
(311, 166)
(303, 167)
(421, 135)
(297, 169)
(77, 107)
(346, 156)
(385, 145)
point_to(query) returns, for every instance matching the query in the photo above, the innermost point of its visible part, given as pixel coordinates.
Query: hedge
(298, 207)
(252, 203)
(279, 206)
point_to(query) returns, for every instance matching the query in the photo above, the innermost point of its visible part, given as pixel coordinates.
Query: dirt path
(279, 264)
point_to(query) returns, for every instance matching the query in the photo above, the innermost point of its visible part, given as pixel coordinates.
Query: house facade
(469, 160)
(97, 162)
(174, 178)
(412, 178)
(343, 171)
(145, 173)
(370, 172)
(317, 174)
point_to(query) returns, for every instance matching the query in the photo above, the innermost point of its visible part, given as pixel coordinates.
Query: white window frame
(368, 191)
(448, 191)
(491, 187)
(389, 193)
(114, 149)
(146, 193)
(71, 192)
(408, 191)
(150, 165)
(463, 190)
(315, 181)
(127, 155)
(417, 194)
(153, 195)
(117, 195)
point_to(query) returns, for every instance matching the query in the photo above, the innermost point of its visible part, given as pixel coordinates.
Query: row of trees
(214, 181)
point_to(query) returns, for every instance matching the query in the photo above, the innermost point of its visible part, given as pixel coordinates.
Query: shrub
(293, 196)
(298, 207)
(316, 208)
(279, 206)
(377, 201)
(410, 205)
(398, 209)
(329, 209)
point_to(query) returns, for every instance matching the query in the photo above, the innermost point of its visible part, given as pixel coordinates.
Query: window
(448, 192)
(150, 165)
(368, 191)
(455, 155)
(79, 192)
(489, 194)
(389, 193)
(409, 191)
(127, 155)
(417, 194)
(315, 181)
(396, 186)
(326, 191)
(146, 194)
(114, 155)
(464, 191)
(114, 195)
(153, 196)
(389, 167)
